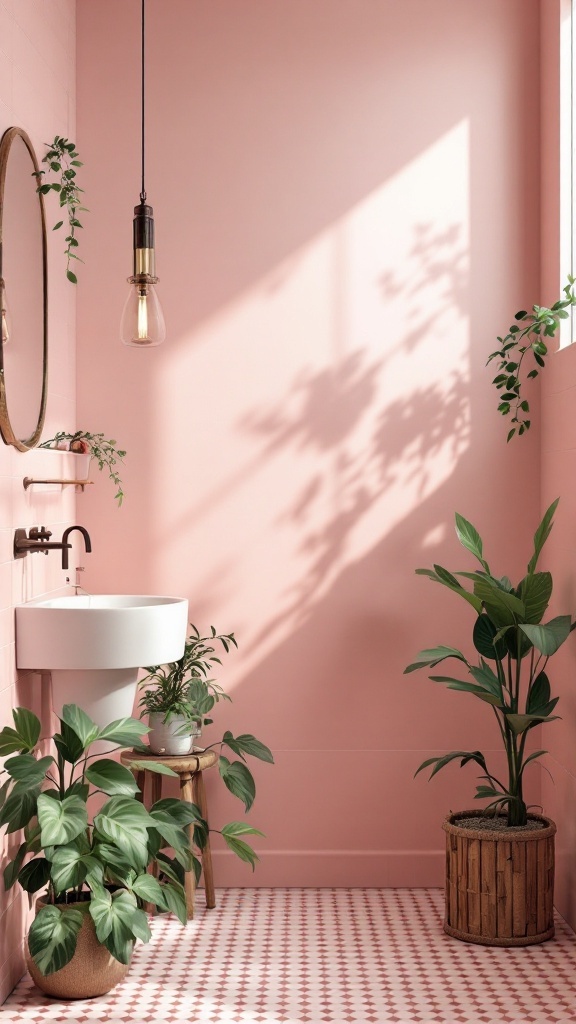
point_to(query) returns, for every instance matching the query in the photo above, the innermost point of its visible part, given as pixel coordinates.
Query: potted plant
(96, 446)
(91, 859)
(177, 697)
(180, 700)
(500, 866)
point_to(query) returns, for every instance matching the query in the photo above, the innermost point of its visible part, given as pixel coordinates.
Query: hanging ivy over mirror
(62, 159)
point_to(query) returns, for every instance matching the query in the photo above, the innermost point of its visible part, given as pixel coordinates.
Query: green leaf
(238, 779)
(72, 277)
(140, 927)
(241, 849)
(535, 591)
(175, 900)
(470, 539)
(34, 875)
(25, 734)
(12, 869)
(124, 731)
(153, 766)
(181, 812)
(539, 694)
(520, 723)
(470, 598)
(61, 821)
(58, 225)
(432, 656)
(26, 770)
(113, 917)
(172, 834)
(170, 868)
(484, 639)
(548, 638)
(459, 684)
(52, 938)
(70, 865)
(240, 828)
(68, 744)
(19, 808)
(112, 778)
(501, 607)
(85, 729)
(148, 888)
(123, 821)
(542, 533)
(463, 755)
(113, 860)
(248, 744)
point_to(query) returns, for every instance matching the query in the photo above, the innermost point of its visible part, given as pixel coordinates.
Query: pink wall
(342, 192)
(558, 444)
(37, 92)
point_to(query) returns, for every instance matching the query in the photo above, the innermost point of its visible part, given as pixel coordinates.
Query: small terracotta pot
(92, 971)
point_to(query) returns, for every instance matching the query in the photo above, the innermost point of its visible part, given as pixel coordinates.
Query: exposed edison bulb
(142, 320)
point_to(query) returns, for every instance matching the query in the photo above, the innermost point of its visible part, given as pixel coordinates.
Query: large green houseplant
(91, 858)
(510, 676)
(183, 693)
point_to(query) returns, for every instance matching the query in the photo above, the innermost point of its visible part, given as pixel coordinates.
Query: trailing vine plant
(523, 342)
(62, 159)
(104, 451)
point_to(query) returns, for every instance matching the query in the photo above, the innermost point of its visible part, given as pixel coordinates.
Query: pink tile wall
(343, 193)
(37, 93)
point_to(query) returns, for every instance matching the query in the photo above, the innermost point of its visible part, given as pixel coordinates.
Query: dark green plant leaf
(19, 808)
(85, 729)
(153, 766)
(521, 723)
(432, 656)
(34, 875)
(248, 744)
(238, 779)
(241, 849)
(463, 755)
(148, 888)
(549, 638)
(112, 778)
(175, 900)
(459, 684)
(181, 812)
(539, 694)
(140, 927)
(68, 744)
(52, 938)
(27, 726)
(25, 769)
(12, 869)
(123, 822)
(70, 865)
(542, 533)
(113, 916)
(502, 608)
(485, 677)
(535, 591)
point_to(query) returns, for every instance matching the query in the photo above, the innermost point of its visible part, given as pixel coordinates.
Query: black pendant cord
(143, 192)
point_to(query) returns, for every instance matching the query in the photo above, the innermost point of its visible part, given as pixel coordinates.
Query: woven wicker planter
(499, 885)
(92, 971)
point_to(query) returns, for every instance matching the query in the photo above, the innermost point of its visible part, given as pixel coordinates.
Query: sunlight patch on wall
(325, 405)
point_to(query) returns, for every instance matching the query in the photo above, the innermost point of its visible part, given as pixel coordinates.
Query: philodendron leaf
(52, 938)
(34, 875)
(470, 539)
(112, 778)
(148, 888)
(542, 534)
(175, 900)
(241, 849)
(539, 694)
(123, 821)
(68, 744)
(548, 638)
(12, 869)
(153, 766)
(27, 770)
(85, 729)
(24, 736)
(248, 744)
(113, 917)
(61, 821)
(432, 656)
(124, 731)
(70, 865)
(238, 779)
(19, 808)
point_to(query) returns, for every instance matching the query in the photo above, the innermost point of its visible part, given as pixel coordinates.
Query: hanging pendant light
(142, 320)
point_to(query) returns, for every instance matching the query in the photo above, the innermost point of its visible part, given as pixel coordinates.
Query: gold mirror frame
(8, 435)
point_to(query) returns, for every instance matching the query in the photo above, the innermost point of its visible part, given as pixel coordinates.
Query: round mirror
(23, 294)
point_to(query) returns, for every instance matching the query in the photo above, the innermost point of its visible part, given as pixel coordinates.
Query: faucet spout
(66, 546)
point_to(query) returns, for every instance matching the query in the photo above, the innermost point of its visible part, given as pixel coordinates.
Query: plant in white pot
(500, 860)
(90, 859)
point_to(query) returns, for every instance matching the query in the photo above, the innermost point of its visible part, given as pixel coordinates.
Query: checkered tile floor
(324, 956)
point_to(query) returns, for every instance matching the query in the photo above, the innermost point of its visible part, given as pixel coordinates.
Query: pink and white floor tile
(324, 956)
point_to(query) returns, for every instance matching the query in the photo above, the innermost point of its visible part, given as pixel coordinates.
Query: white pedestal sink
(94, 645)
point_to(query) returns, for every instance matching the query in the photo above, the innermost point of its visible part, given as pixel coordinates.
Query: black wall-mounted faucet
(39, 540)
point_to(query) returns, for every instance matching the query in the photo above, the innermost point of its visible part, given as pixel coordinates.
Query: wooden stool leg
(201, 802)
(140, 782)
(155, 794)
(186, 793)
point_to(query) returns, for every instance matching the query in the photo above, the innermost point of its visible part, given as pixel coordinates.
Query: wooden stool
(189, 767)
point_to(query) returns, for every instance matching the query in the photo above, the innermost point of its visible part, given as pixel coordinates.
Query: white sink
(93, 646)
